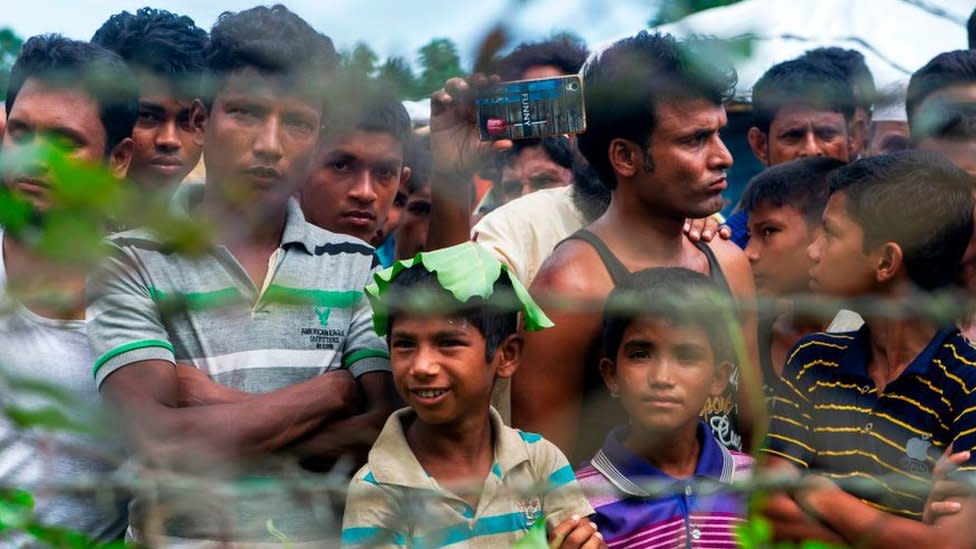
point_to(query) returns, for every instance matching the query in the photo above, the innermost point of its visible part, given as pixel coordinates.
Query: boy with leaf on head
(446, 471)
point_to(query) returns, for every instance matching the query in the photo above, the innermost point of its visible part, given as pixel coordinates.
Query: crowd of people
(586, 353)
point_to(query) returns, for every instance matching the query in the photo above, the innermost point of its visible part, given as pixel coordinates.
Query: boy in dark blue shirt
(880, 404)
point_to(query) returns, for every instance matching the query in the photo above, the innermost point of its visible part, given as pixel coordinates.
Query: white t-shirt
(55, 352)
(524, 232)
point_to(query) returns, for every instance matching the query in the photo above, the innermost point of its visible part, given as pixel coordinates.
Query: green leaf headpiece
(466, 270)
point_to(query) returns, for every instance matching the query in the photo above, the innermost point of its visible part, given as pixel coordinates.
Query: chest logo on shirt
(531, 509)
(322, 337)
(323, 314)
(917, 453)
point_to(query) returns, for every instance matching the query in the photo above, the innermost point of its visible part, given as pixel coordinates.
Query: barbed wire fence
(54, 411)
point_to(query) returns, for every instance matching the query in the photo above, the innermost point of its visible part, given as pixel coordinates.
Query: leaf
(23, 386)
(535, 538)
(16, 509)
(465, 270)
(45, 418)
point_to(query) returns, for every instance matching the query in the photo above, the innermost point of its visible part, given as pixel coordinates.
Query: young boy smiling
(446, 471)
(667, 351)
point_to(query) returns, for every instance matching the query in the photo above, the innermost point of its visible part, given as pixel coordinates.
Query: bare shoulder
(734, 265)
(574, 268)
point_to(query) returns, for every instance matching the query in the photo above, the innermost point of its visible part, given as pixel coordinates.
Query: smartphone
(530, 109)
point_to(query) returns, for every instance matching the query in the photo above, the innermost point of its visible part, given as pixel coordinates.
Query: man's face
(888, 136)
(530, 171)
(68, 118)
(689, 160)
(260, 138)
(841, 268)
(664, 374)
(166, 142)
(777, 249)
(355, 181)
(801, 132)
(411, 235)
(439, 367)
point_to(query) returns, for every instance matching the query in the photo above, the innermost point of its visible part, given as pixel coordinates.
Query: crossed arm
(823, 511)
(147, 394)
(351, 430)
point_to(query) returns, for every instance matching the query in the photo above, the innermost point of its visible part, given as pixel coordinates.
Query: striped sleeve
(563, 496)
(371, 517)
(364, 351)
(125, 325)
(789, 435)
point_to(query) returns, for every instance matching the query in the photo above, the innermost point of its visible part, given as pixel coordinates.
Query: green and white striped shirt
(309, 317)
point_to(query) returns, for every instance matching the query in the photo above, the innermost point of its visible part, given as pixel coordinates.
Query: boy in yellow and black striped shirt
(874, 409)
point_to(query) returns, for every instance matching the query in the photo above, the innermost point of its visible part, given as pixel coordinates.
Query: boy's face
(777, 249)
(166, 141)
(259, 140)
(841, 268)
(355, 181)
(664, 374)
(439, 367)
(411, 235)
(394, 218)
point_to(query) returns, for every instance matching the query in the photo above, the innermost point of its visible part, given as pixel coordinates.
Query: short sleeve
(124, 321)
(364, 351)
(372, 517)
(789, 435)
(563, 496)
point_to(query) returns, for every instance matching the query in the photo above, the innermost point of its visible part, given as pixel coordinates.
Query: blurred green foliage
(9, 46)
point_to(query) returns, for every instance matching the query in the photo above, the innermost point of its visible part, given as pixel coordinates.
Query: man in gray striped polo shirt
(223, 362)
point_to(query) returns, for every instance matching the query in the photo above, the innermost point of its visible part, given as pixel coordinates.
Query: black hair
(419, 160)
(416, 289)
(556, 147)
(678, 295)
(591, 195)
(75, 65)
(626, 82)
(800, 82)
(801, 184)
(274, 41)
(917, 199)
(164, 44)
(385, 113)
(367, 105)
(851, 64)
(942, 71)
(564, 54)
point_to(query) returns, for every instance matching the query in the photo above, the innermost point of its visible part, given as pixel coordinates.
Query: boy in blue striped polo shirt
(667, 350)
(880, 405)
(446, 472)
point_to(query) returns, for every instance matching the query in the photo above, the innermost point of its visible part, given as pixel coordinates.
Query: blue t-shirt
(739, 223)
